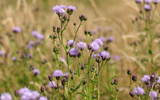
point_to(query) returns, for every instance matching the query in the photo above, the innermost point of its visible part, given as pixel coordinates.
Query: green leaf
(62, 96)
(82, 94)
(77, 87)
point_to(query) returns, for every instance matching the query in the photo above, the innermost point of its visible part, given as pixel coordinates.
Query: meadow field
(79, 49)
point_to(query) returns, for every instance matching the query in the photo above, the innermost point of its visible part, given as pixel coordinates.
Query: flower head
(81, 45)
(96, 55)
(59, 9)
(52, 84)
(146, 78)
(147, 7)
(14, 58)
(138, 1)
(1, 53)
(105, 55)
(23, 90)
(156, 1)
(153, 95)
(99, 42)
(94, 46)
(73, 52)
(147, 1)
(110, 39)
(37, 35)
(72, 8)
(36, 72)
(138, 91)
(116, 57)
(35, 95)
(42, 98)
(16, 29)
(71, 43)
(103, 39)
(63, 7)
(5, 96)
(57, 73)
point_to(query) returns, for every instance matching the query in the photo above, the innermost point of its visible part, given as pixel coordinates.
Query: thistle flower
(139, 91)
(14, 58)
(5, 96)
(57, 74)
(103, 39)
(73, 52)
(16, 29)
(96, 55)
(36, 72)
(1, 53)
(63, 7)
(146, 78)
(147, 1)
(99, 42)
(94, 46)
(153, 95)
(52, 84)
(56, 8)
(99, 28)
(37, 35)
(71, 43)
(29, 55)
(23, 90)
(158, 81)
(156, 1)
(29, 46)
(138, 1)
(110, 39)
(42, 98)
(105, 55)
(31, 42)
(147, 7)
(116, 57)
(94, 31)
(72, 8)
(81, 45)
(35, 95)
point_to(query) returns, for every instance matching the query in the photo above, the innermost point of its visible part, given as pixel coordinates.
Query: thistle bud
(131, 94)
(129, 72)
(134, 77)
(115, 81)
(58, 29)
(42, 89)
(50, 77)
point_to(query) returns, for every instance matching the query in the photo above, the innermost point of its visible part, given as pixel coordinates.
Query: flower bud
(42, 89)
(54, 28)
(58, 29)
(81, 17)
(98, 59)
(16, 92)
(84, 82)
(74, 23)
(152, 78)
(131, 94)
(94, 96)
(105, 47)
(134, 77)
(115, 81)
(50, 77)
(129, 72)
(86, 32)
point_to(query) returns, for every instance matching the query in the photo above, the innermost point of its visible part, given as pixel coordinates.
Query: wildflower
(110, 39)
(103, 39)
(26, 96)
(36, 72)
(94, 31)
(50, 77)
(71, 9)
(99, 42)
(158, 81)
(14, 58)
(153, 95)
(146, 78)
(105, 55)
(152, 78)
(42, 98)
(1, 53)
(99, 28)
(16, 29)
(5, 96)
(42, 89)
(52, 84)
(129, 72)
(94, 46)
(63, 7)
(115, 81)
(29, 55)
(147, 1)
(37, 35)
(147, 7)
(35, 95)
(71, 43)
(31, 42)
(56, 8)
(138, 1)
(134, 77)
(116, 57)
(138, 91)
(57, 74)
(29, 46)
(73, 52)
(96, 55)
(156, 1)
(23, 90)
(81, 45)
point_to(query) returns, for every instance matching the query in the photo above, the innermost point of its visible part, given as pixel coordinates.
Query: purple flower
(52, 84)
(96, 55)
(16, 29)
(153, 95)
(37, 35)
(29, 55)
(59, 9)
(72, 8)
(156, 1)
(147, 7)
(138, 91)
(138, 1)
(23, 90)
(29, 46)
(34, 33)
(81, 45)
(31, 42)
(42, 98)
(116, 57)
(57, 73)
(35, 95)
(94, 31)
(158, 81)
(66, 74)
(70, 43)
(63, 7)
(36, 72)
(99, 42)
(56, 8)
(146, 78)
(14, 58)
(73, 52)
(1, 53)
(5, 96)
(110, 39)
(105, 55)
(147, 1)
(99, 28)
(103, 39)
(94, 46)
